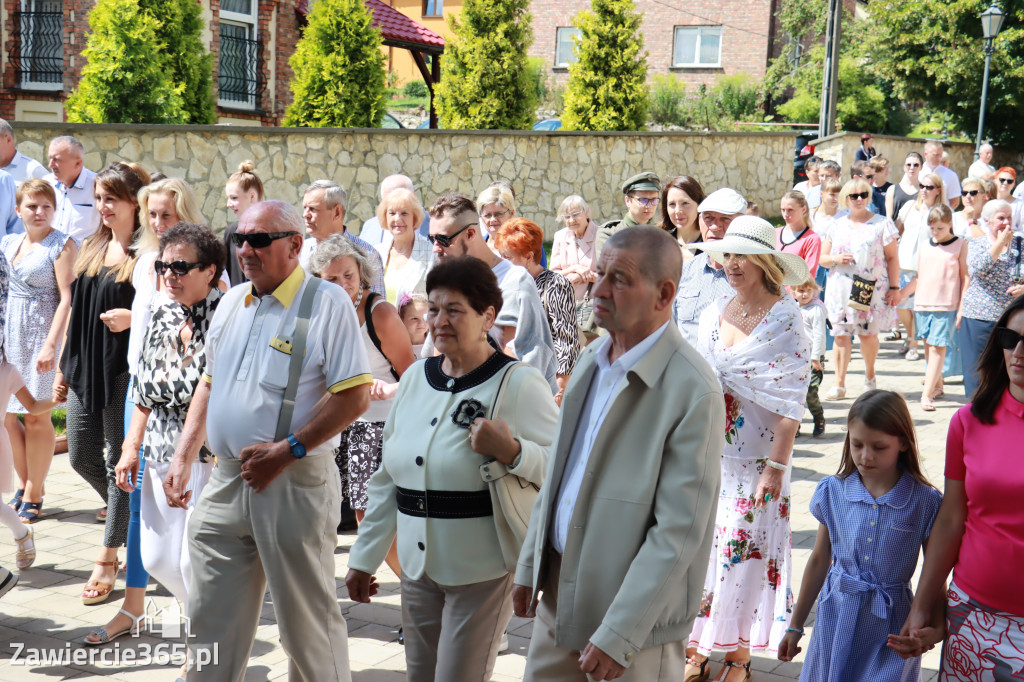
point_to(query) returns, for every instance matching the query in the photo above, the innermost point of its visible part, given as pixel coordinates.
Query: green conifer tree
(607, 87)
(339, 69)
(485, 76)
(190, 61)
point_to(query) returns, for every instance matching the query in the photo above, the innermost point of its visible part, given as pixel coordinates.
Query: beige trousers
(546, 662)
(240, 542)
(452, 633)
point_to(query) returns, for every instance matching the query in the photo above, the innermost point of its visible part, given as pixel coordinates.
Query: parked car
(548, 124)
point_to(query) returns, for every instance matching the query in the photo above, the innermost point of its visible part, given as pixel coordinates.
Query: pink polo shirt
(989, 459)
(808, 247)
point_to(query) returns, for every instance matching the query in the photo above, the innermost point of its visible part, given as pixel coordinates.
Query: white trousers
(163, 540)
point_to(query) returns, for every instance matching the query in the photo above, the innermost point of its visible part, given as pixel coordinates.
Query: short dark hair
(469, 276)
(209, 248)
(992, 377)
(858, 168)
(685, 183)
(452, 205)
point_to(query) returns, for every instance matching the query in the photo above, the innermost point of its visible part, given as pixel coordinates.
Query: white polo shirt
(76, 213)
(247, 362)
(23, 168)
(950, 180)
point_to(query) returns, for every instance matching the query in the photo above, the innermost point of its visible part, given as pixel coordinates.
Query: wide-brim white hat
(749, 234)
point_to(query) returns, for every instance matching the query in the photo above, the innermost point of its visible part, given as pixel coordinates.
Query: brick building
(251, 42)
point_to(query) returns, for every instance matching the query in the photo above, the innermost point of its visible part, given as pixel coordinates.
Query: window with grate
(697, 46)
(240, 79)
(37, 51)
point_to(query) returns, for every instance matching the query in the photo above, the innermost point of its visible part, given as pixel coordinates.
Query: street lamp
(991, 23)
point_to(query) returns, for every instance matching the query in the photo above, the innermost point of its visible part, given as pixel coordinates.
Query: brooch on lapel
(467, 412)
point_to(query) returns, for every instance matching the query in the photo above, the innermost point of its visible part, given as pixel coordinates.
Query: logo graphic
(167, 622)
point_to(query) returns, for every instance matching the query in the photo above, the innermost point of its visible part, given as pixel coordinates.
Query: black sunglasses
(972, 192)
(259, 240)
(1007, 338)
(911, 165)
(446, 240)
(178, 267)
(867, 177)
(929, 187)
(1007, 181)
(859, 195)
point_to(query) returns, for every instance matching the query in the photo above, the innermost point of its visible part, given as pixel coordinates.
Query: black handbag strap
(372, 333)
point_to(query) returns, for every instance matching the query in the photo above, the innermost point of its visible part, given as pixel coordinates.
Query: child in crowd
(875, 515)
(412, 308)
(11, 383)
(941, 278)
(814, 315)
(753, 208)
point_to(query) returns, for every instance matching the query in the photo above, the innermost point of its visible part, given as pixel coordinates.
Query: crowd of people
(494, 413)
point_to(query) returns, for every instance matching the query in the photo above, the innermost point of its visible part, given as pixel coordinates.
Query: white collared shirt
(76, 213)
(23, 168)
(606, 383)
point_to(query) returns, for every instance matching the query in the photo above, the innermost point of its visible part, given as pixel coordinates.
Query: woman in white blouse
(407, 255)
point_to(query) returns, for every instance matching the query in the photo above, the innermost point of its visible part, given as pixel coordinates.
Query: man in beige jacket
(615, 556)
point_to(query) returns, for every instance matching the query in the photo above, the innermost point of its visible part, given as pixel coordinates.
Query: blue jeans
(135, 573)
(972, 343)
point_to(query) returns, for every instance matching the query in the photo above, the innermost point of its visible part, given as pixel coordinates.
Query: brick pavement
(44, 610)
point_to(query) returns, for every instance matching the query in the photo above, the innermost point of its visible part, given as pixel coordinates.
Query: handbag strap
(284, 419)
(502, 470)
(586, 294)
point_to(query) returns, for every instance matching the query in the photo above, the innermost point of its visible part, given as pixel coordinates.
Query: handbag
(861, 293)
(585, 309)
(512, 497)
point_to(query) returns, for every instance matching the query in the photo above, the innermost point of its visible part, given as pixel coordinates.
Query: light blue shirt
(76, 214)
(521, 308)
(377, 287)
(700, 285)
(9, 219)
(23, 168)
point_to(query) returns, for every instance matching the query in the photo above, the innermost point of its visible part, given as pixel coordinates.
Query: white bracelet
(775, 465)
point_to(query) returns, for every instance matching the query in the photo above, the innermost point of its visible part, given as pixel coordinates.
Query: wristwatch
(298, 449)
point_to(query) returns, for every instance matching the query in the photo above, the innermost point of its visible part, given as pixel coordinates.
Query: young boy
(814, 315)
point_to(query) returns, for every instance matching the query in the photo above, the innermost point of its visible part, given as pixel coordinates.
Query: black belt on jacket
(444, 504)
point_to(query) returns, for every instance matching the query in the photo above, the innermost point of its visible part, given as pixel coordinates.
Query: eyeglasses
(928, 187)
(178, 267)
(1007, 338)
(259, 240)
(972, 192)
(572, 216)
(646, 202)
(446, 240)
(859, 195)
(911, 165)
(493, 216)
(1007, 181)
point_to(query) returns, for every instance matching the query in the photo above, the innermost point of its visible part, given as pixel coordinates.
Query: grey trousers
(452, 633)
(285, 536)
(546, 662)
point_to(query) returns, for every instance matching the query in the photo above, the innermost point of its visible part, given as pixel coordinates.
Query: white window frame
(26, 47)
(437, 4)
(700, 31)
(563, 61)
(249, 21)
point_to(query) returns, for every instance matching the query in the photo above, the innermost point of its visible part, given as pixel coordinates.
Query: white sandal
(104, 637)
(836, 393)
(26, 551)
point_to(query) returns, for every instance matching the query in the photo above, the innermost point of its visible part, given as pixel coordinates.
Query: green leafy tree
(189, 60)
(339, 69)
(933, 54)
(607, 87)
(126, 78)
(485, 75)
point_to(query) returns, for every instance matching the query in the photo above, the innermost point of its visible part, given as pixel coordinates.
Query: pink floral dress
(747, 601)
(867, 244)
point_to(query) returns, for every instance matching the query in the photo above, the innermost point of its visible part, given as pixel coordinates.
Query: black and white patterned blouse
(559, 301)
(169, 373)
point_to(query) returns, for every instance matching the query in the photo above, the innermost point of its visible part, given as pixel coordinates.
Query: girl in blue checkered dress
(875, 514)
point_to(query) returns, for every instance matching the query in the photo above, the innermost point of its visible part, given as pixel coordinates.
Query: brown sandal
(102, 589)
(701, 676)
(736, 664)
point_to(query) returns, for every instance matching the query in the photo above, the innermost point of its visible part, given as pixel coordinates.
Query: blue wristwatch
(298, 449)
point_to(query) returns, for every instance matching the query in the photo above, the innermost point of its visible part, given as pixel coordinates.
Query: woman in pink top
(979, 531)
(572, 253)
(797, 237)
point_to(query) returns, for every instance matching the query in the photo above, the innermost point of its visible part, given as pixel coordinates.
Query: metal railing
(240, 80)
(37, 44)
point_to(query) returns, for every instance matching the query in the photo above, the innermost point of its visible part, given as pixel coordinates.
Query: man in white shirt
(10, 223)
(521, 329)
(371, 232)
(933, 164)
(16, 164)
(614, 559)
(983, 168)
(76, 214)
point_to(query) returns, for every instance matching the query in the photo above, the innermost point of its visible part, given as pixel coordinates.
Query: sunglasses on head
(928, 187)
(178, 267)
(259, 240)
(1007, 181)
(1007, 338)
(859, 195)
(446, 240)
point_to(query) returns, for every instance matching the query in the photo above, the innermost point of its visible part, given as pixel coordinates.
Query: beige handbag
(511, 496)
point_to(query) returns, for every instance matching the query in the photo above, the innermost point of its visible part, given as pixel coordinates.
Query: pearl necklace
(747, 319)
(359, 298)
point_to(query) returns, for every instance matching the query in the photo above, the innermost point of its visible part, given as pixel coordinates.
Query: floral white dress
(747, 601)
(867, 244)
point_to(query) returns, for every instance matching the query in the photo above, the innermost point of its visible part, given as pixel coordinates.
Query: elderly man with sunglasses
(269, 513)
(522, 329)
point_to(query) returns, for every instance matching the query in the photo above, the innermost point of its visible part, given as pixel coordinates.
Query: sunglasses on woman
(178, 267)
(446, 240)
(1007, 338)
(1007, 181)
(911, 165)
(972, 192)
(929, 188)
(859, 195)
(259, 240)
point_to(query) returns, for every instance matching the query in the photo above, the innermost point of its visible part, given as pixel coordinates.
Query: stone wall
(544, 167)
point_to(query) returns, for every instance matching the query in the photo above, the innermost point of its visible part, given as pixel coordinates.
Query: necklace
(359, 298)
(745, 319)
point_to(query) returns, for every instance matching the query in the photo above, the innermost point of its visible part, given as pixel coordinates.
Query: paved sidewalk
(45, 611)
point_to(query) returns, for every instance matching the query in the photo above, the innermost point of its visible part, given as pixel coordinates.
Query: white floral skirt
(747, 601)
(982, 644)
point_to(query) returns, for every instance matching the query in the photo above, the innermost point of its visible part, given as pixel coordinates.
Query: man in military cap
(641, 194)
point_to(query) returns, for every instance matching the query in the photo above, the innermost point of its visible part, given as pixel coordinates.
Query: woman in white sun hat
(755, 342)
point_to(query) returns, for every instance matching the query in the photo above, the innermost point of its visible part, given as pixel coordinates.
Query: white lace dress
(747, 601)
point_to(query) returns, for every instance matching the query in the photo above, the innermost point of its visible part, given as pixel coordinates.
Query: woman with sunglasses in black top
(905, 190)
(1004, 181)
